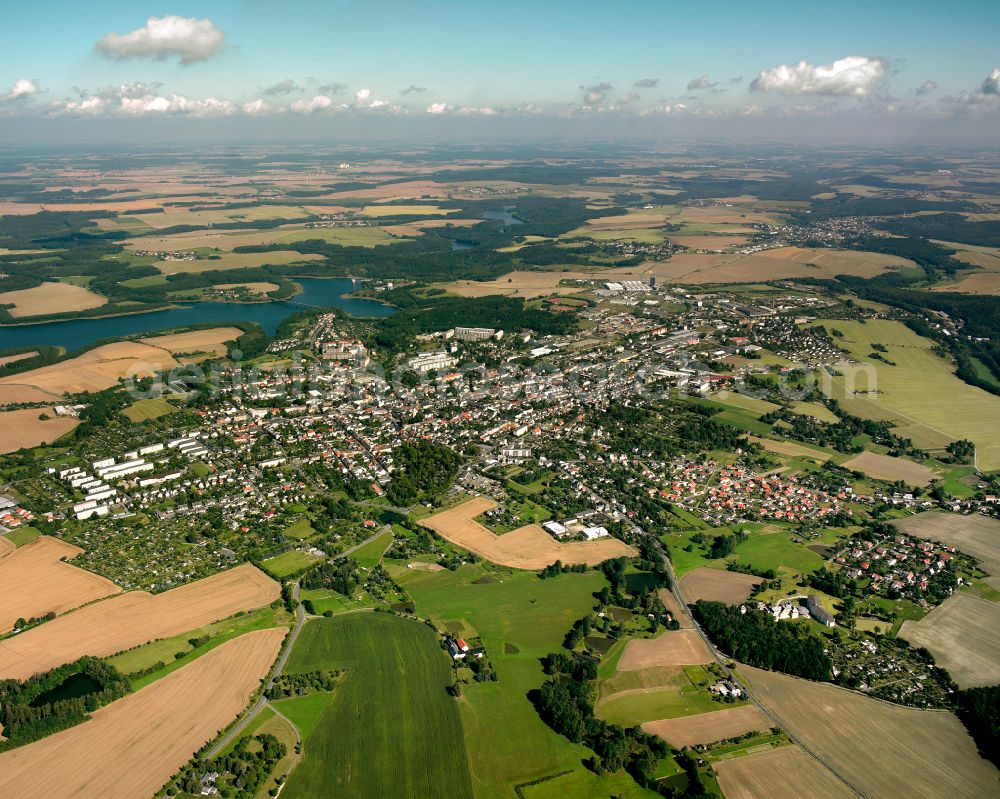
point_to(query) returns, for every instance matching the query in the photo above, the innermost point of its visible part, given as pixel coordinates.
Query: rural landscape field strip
(25, 428)
(878, 746)
(34, 581)
(886, 467)
(405, 734)
(707, 728)
(671, 648)
(783, 773)
(131, 747)
(528, 547)
(128, 620)
(717, 585)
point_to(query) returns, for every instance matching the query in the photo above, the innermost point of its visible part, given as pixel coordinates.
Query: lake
(76, 333)
(506, 216)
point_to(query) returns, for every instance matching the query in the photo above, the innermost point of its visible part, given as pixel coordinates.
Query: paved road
(722, 660)
(262, 702)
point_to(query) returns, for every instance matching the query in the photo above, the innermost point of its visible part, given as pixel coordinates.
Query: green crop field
(390, 730)
(519, 618)
(772, 550)
(148, 409)
(370, 554)
(920, 390)
(331, 601)
(305, 711)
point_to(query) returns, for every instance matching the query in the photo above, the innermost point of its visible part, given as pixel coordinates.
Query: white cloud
(21, 89)
(485, 111)
(986, 94)
(175, 104)
(256, 107)
(162, 37)
(853, 76)
(593, 95)
(438, 108)
(664, 110)
(318, 103)
(362, 96)
(925, 88)
(628, 97)
(992, 83)
(379, 104)
(88, 105)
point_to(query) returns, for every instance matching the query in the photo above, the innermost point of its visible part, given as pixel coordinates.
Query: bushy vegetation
(286, 685)
(423, 469)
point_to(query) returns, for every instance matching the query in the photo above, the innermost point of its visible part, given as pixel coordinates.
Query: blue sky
(844, 60)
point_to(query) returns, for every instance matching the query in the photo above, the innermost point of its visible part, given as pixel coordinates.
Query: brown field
(520, 284)
(50, 298)
(629, 221)
(34, 580)
(128, 620)
(25, 209)
(961, 633)
(974, 535)
(787, 448)
(418, 228)
(255, 288)
(19, 357)
(707, 728)
(23, 428)
(12, 393)
(720, 215)
(406, 210)
(672, 648)
(783, 773)
(6, 546)
(708, 242)
(717, 585)
(878, 746)
(976, 282)
(102, 367)
(886, 467)
(528, 547)
(413, 189)
(785, 262)
(673, 607)
(234, 260)
(131, 747)
(209, 340)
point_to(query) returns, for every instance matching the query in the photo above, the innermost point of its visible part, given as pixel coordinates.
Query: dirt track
(135, 618)
(133, 746)
(34, 580)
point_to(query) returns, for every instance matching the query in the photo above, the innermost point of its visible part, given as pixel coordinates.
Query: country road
(262, 702)
(723, 661)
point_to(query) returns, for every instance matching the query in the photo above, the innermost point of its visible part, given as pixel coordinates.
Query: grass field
(390, 730)
(288, 562)
(145, 409)
(305, 711)
(773, 550)
(22, 536)
(370, 555)
(519, 618)
(665, 692)
(961, 633)
(331, 601)
(878, 746)
(920, 389)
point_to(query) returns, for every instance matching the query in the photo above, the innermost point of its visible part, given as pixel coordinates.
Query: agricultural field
(655, 693)
(784, 773)
(409, 743)
(234, 260)
(50, 298)
(145, 409)
(288, 563)
(921, 389)
(717, 585)
(671, 648)
(961, 633)
(528, 285)
(128, 620)
(974, 535)
(370, 555)
(876, 745)
(6, 359)
(25, 428)
(35, 580)
(887, 467)
(134, 745)
(707, 728)
(519, 618)
(528, 547)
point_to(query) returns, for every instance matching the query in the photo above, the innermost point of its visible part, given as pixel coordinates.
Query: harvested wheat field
(131, 747)
(521, 284)
(135, 618)
(975, 282)
(974, 535)
(886, 467)
(673, 607)
(50, 298)
(409, 190)
(254, 288)
(962, 634)
(672, 648)
(234, 260)
(528, 547)
(24, 428)
(717, 585)
(788, 448)
(707, 728)
(6, 359)
(784, 773)
(12, 393)
(709, 242)
(34, 580)
(196, 341)
(723, 215)
(878, 746)
(6, 546)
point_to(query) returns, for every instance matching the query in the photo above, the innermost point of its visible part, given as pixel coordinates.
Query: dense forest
(423, 469)
(979, 710)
